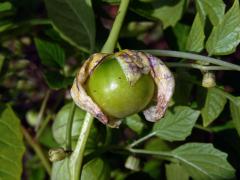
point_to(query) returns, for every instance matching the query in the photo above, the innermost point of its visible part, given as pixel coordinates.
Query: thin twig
(38, 150)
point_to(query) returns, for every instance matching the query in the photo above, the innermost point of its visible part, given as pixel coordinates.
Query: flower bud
(57, 154)
(132, 163)
(209, 80)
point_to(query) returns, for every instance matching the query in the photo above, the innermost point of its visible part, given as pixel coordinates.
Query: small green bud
(209, 80)
(132, 163)
(57, 154)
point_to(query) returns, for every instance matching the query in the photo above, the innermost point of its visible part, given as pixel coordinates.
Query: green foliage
(203, 161)
(168, 12)
(77, 26)
(135, 123)
(175, 171)
(214, 105)
(43, 44)
(176, 125)
(96, 169)
(11, 145)
(224, 37)
(51, 54)
(213, 9)
(235, 112)
(60, 125)
(5, 6)
(195, 41)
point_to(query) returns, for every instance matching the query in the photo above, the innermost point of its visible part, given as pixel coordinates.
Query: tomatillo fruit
(110, 90)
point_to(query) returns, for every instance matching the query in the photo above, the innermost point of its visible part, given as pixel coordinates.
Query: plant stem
(77, 156)
(42, 109)
(203, 128)
(162, 154)
(192, 56)
(37, 148)
(113, 36)
(43, 126)
(144, 138)
(198, 66)
(69, 127)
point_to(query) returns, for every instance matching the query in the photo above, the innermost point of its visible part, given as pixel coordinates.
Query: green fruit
(111, 91)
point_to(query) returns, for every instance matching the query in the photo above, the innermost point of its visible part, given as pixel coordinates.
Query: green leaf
(60, 125)
(203, 161)
(51, 54)
(224, 37)
(5, 6)
(135, 123)
(214, 105)
(235, 113)
(96, 169)
(181, 32)
(195, 41)
(75, 21)
(157, 144)
(176, 125)
(175, 171)
(214, 9)
(169, 12)
(60, 170)
(55, 80)
(11, 145)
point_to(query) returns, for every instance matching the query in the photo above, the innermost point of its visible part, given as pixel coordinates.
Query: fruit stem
(113, 36)
(77, 156)
(69, 127)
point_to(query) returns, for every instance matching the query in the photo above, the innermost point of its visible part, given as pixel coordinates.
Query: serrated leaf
(195, 41)
(235, 113)
(135, 123)
(75, 21)
(224, 37)
(51, 54)
(60, 125)
(203, 161)
(11, 145)
(96, 169)
(175, 171)
(169, 12)
(214, 9)
(176, 125)
(214, 105)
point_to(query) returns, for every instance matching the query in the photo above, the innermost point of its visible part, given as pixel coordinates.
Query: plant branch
(164, 155)
(144, 138)
(113, 36)
(186, 55)
(38, 150)
(198, 66)
(76, 158)
(42, 109)
(43, 126)
(69, 127)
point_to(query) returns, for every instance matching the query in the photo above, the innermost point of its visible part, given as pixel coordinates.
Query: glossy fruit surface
(111, 91)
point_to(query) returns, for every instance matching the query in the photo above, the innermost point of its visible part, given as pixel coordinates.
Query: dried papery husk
(134, 64)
